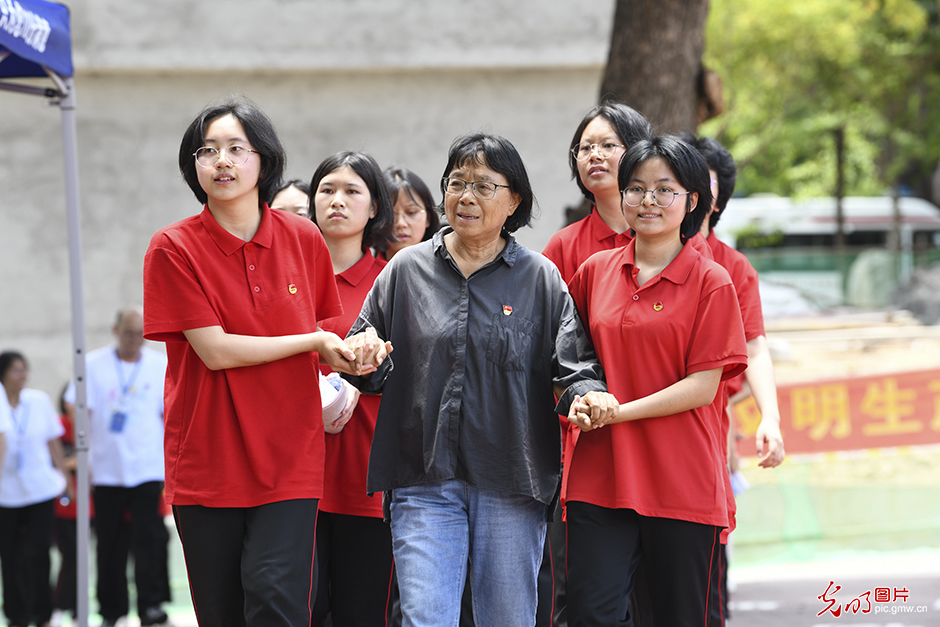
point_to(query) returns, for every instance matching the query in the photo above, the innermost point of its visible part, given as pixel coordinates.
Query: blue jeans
(436, 527)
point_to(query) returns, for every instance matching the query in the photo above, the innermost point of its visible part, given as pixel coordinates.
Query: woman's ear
(374, 210)
(693, 202)
(516, 201)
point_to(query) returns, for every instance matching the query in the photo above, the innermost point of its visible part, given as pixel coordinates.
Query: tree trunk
(655, 63)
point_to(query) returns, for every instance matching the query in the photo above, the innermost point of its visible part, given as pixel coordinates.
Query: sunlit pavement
(780, 593)
(877, 589)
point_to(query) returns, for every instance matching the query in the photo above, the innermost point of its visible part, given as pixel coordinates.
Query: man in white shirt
(125, 407)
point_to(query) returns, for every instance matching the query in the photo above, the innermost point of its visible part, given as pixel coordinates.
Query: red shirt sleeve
(173, 297)
(717, 338)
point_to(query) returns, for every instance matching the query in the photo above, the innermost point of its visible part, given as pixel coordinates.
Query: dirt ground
(851, 344)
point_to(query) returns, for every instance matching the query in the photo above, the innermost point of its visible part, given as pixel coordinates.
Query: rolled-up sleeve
(574, 362)
(371, 315)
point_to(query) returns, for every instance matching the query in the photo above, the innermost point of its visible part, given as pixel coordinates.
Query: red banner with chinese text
(859, 413)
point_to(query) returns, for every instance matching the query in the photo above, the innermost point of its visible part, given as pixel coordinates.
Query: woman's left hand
(334, 353)
(369, 350)
(769, 444)
(352, 399)
(579, 414)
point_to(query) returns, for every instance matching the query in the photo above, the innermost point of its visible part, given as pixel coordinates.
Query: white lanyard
(20, 423)
(129, 386)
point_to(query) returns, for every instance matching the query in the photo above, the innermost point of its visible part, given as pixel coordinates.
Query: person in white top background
(125, 408)
(30, 482)
(6, 424)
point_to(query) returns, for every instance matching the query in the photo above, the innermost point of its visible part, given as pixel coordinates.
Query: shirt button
(251, 267)
(635, 297)
(258, 289)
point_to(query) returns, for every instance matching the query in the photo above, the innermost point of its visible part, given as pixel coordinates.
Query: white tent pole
(73, 215)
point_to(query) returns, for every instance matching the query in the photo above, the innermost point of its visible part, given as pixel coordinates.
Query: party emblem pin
(292, 288)
(658, 305)
(507, 310)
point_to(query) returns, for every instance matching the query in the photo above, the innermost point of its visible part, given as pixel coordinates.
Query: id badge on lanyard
(118, 420)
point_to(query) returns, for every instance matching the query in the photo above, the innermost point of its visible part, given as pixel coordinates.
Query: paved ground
(787, 594)
(781, 592)
(797, 603)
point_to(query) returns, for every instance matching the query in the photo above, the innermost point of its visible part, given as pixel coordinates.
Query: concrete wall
(397, 78)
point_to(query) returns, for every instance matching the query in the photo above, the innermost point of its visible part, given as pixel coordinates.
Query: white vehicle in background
(792, 243)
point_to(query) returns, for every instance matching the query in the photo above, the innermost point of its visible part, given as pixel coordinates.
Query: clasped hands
(593, 410)
(369, 350)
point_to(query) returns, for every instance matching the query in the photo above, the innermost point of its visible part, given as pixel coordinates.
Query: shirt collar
(508, 254)
(676, 272)
(599, 228)
(359, 270)
(227, 242)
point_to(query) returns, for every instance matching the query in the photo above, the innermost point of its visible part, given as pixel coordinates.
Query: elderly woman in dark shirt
(466, 445)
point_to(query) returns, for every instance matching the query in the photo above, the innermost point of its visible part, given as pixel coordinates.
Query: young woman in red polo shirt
(351, 206)
(651, 482)
(236, 292)
(598, 145)
(599, 142)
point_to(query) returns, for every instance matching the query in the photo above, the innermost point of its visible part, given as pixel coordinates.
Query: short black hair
(629, 123)
(378, 229)
(721, 161)
(686, 164)
(259, 131)
(7, 359)
(303, 186)
(399, 179)
(498, 154)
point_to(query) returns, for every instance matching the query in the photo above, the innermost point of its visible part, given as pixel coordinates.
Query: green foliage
(794, 71)
(751, 236)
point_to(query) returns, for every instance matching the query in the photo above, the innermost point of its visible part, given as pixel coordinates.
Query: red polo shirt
(571, 246)
(347, 452)
(240, 437)
(568, 249)
(648, 338)
(698, 243)
(747, 286)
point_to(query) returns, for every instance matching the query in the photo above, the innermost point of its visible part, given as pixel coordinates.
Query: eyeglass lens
(480, 189)
(662, 198)
(208, 156)
(604, 151)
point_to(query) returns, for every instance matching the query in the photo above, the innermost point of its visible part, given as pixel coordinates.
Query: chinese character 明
(824, 597)
(889, 404)
(856, 604)
(824, 409)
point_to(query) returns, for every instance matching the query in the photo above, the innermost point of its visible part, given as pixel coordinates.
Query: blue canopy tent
(36, 42)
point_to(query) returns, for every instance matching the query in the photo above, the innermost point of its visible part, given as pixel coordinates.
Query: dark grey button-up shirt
(467, 391)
